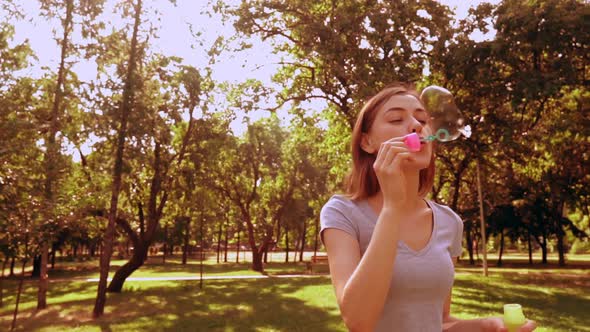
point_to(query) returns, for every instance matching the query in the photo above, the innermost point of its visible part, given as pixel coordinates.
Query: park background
(190, 146)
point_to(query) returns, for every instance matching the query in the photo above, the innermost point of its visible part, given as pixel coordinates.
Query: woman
(381, 286)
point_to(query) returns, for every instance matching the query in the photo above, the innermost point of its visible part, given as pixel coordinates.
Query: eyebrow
(403, 109)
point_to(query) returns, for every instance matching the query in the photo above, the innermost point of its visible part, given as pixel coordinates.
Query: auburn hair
(361, 181)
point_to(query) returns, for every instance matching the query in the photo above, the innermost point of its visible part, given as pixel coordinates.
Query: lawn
(557, 298)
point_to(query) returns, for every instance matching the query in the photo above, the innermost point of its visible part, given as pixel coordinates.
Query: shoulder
(339, 203)
(340, 209)
(446, 214)
(339, 212)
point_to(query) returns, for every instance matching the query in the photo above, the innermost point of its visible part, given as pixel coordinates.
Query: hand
(496, 324)
(388, 166)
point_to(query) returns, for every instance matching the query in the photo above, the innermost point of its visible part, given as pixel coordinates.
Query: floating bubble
(447, 121)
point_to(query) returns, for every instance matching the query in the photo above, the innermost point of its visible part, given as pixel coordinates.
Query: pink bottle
(412, 141)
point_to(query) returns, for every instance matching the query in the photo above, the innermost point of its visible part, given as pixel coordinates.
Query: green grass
(557, 298)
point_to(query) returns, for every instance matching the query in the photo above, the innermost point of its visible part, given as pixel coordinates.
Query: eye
(395, 121)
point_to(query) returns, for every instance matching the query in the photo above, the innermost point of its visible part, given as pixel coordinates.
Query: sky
(175, 39)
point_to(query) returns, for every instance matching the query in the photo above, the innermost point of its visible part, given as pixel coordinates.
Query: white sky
(175, 39)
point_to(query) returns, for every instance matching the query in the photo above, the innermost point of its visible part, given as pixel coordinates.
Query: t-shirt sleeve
(456, 246)
(333, 216)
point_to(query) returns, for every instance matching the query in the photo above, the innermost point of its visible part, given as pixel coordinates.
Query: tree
(545, 60)
(244, 168)
(508, 88)
(52, 147)
(343, 52)
(125, 109)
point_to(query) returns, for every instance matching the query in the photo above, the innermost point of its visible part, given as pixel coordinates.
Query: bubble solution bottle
(513, 317)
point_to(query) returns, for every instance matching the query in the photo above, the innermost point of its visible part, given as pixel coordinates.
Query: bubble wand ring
(413, 141)
(442, 135)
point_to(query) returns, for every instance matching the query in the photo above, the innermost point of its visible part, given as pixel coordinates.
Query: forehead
(402, 102)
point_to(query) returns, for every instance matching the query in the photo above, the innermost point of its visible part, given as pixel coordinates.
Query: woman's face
(399, 116)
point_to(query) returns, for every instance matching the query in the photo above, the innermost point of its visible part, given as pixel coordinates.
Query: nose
(416, 126)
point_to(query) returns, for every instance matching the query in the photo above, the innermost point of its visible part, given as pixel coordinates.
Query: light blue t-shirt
(421, 279)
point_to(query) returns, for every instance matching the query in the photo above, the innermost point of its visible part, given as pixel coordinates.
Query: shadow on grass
(244, 305)
(567, 307)
(520, 263)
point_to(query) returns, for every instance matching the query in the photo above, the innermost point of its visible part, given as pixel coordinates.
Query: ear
(366, 144)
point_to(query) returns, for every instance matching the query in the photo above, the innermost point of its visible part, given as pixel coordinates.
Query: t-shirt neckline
(369, 211)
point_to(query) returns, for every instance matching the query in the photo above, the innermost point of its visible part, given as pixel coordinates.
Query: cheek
(388, 133)
(426, 153)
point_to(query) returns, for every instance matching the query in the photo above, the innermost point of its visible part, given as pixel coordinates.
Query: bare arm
(362, 284)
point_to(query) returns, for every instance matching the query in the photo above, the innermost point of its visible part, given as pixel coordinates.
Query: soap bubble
(447, 121)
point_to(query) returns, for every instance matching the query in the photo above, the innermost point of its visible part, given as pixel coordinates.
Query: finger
(530, 325)
(399, 159)
(380, 156)
(398, 144)
(391, 152)
(384, 149)
(395, 139)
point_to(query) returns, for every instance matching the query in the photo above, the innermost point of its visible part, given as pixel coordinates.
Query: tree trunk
(201, 253)
(238, 246)
(560, 233)
(257, 253)
(560, 245)
(186, 240)
(295, 251)
(36, 267)
(303, 234)
(265, 255)
(219, 233)
(257, 261)
(501, 248)
(544, 249)
(18, 292)
(286, 244)
(530, 248)
(225, 244)
(12, 262)
(136, 261)
(165, 244)
(2, 282)
(126, 105)
(469, 245)
(53, 251)
(43, 282)
(317, 234)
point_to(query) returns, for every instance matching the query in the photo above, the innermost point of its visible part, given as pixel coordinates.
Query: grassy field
(557, 298)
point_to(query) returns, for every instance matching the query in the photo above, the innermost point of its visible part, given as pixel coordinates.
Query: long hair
(362, 181)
